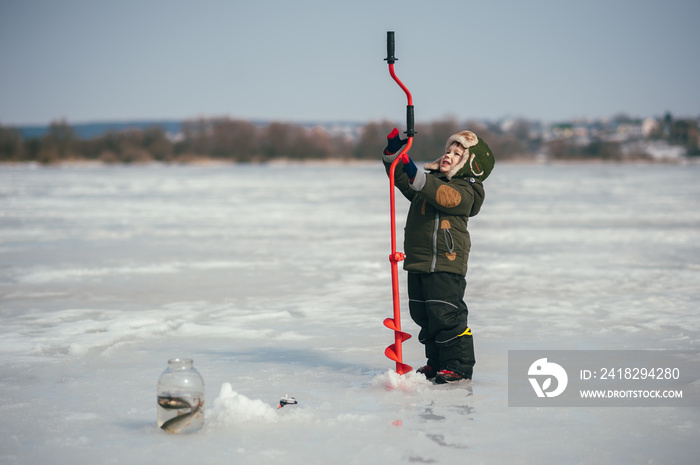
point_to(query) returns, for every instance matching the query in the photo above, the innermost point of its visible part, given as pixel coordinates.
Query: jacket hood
(479, 196)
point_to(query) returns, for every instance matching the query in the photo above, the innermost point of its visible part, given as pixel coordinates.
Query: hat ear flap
(434, 166)
(471, 166)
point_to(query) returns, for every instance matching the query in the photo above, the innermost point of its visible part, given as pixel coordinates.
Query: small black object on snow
(286, 400)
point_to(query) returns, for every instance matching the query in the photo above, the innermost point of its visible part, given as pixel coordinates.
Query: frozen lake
(275, 280)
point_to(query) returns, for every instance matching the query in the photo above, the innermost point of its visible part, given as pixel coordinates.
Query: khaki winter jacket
(436, 238)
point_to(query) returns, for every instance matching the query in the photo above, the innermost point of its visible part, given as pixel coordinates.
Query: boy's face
(454, 155)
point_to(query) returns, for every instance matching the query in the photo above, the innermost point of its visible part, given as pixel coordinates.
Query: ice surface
(275, 280)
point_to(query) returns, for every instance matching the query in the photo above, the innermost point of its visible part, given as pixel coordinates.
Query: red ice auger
(394, 350)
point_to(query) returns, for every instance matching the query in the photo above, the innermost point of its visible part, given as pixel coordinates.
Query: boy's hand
(410, 168)
(394, 142)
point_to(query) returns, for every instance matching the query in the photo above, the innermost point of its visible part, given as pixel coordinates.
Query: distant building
(650, 126)
(660, 150)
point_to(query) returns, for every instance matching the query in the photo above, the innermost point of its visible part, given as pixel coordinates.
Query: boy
(437, 246)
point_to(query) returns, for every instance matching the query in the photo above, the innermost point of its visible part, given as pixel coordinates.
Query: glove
(410, 169)
(394, 142)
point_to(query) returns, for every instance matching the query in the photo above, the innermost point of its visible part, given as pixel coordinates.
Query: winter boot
(428, 371)
(447, 376)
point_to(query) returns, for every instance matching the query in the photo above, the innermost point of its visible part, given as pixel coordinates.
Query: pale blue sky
(93, 60)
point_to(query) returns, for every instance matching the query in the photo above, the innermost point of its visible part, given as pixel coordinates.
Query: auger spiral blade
(401, 368)
(394, 351)
(391, 324)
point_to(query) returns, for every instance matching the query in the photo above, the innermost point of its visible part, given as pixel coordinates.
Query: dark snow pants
(436, 303)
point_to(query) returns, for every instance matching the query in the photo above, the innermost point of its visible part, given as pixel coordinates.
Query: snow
(275, 280)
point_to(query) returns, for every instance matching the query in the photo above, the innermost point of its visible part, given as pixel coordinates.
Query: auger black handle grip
(410, 131)
(390, 58)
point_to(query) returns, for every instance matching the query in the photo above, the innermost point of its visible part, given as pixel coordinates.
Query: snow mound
(391, 380)
(232, 408)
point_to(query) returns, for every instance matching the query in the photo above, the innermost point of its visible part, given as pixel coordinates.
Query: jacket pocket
(448, 240)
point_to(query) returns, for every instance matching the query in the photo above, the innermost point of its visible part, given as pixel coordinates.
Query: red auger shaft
(394, 351)
(402, 85)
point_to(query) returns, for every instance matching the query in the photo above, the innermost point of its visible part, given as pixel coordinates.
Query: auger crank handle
(390, 58)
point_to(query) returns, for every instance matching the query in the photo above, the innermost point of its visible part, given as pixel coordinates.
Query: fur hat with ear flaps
(478, 159)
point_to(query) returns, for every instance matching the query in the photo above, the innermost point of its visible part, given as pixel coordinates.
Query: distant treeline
(243, 141)
(234, 140)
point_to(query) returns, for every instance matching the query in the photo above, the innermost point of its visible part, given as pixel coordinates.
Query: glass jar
(180, 398)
